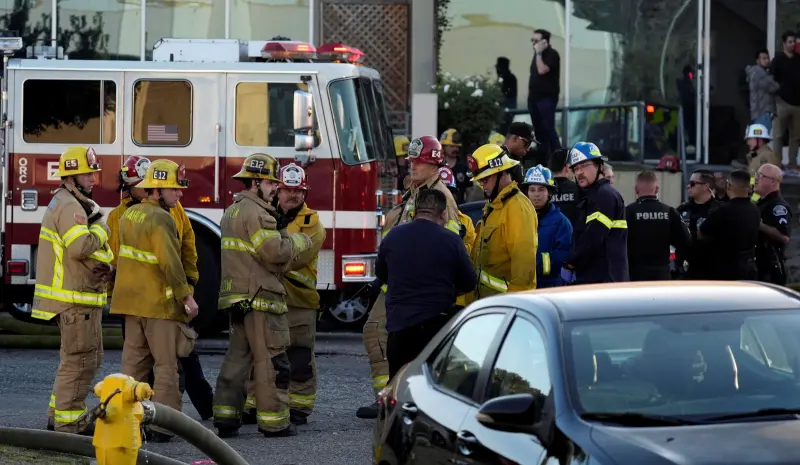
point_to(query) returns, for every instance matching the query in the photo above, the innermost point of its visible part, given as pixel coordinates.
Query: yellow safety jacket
(469, 241)
(68, 250)
(301, 281)
(255, 255)
(504, 254)
(150, 280)
(185, 236)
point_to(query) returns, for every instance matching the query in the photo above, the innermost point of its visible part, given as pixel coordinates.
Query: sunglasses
(695, 183)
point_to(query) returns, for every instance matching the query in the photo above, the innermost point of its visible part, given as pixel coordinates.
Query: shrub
(471, 105)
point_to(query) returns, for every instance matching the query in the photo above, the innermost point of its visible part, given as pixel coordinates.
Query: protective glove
(568, 275)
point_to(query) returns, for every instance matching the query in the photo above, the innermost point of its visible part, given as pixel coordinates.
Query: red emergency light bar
(337, 52)
(288, 50)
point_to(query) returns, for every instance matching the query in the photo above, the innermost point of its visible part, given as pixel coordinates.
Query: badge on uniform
(80, 219)
(779, 210)
(460, 177)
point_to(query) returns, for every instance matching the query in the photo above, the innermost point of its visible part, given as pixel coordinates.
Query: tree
(442, 25)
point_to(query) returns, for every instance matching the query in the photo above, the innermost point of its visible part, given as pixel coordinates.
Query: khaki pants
(787, 117)
(155, 343)
(303, 386)
(81, 356)
(258, 344)
(375, 336)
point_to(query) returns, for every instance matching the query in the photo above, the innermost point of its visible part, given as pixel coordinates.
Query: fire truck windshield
(358, 129)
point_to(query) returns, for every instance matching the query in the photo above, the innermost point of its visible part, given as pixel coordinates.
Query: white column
(698, 107)
(567, 46)
(53, 26)
(771, 20)
(142, 29)
(423, 68)
(312, 4)
(707, 76)
(228, 19)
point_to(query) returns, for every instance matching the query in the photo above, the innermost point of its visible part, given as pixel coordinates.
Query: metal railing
(626, 133)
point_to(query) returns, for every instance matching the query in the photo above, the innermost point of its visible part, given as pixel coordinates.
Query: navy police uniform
(653, 227)
(770, 258)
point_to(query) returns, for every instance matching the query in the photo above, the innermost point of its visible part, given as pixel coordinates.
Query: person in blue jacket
(600, 239)
(555, 230)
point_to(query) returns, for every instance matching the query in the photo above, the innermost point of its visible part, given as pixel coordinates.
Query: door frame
(703, 94)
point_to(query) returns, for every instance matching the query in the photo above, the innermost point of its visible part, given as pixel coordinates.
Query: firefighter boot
(290, 430)
(368, 412)
(375, 337)
(117, 440)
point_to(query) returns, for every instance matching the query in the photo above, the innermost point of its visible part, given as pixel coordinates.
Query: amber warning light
(355, 269)
(288, 50)
(340, 53)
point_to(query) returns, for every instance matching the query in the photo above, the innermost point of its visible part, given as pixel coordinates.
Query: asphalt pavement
(333, 436)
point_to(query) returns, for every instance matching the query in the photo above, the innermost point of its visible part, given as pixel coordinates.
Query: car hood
(768, 442)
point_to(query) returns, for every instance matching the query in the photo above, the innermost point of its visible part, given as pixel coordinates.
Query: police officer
(73, 266)
(694, 212)
(731, 232)
(776, 225)
(567, 192)
(652, 228)
(255, 254)
(599, 246)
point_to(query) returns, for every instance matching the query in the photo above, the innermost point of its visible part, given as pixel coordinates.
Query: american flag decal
(162, 133)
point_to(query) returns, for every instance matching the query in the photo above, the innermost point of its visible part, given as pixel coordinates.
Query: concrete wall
(671, 186)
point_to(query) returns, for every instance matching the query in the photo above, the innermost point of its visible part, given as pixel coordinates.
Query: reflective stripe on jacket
(150, 280)
(469, 241)
(434, 182)
(185, 236)
(555, 241)
(255, 255)
(301, 281)
(68, 250)
(505, 247)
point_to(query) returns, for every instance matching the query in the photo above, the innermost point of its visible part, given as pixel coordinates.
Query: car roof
(614, 300)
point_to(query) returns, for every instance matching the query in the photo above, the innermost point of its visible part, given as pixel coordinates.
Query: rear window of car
(705, 364)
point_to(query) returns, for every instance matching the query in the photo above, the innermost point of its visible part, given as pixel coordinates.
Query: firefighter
(151, 289)
(302, 297)
(496, 138)
(776, 225)
(451, 145)
(757, 138)
(133, 171)
(555, 230)
(255, 253)
(653, 227)
(400, 152)
(507, 239)
(467, 229)
(73, 266)
(600, 240)
(425, 157)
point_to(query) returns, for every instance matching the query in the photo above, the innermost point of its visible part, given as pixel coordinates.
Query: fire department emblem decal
(91, 156)
(414, 148)
(292, 176)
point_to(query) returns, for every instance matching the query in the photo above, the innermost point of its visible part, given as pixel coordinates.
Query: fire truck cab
(206, 104)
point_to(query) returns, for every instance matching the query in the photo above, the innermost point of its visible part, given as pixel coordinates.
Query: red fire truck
(206, 104)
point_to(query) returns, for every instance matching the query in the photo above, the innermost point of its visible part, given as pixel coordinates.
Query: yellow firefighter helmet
(450, 137)
(401, 144)
(77, 160)
(489, 159)
(259, 166)
(496, 138)
(164, 174)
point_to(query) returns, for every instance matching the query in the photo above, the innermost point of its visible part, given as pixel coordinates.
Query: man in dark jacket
(425, 267)
(600, 240)
(652, 228)
(567, 192)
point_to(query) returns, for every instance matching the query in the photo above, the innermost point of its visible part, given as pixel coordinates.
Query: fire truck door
(181, 117)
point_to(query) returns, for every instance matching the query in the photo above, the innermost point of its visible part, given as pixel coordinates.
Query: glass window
(99, 29)
(30, 19)
(354, 128)
(201, 19)
(69, 111)
(162, 113)
(521, 365)
(264, 114)
(696, 365)
(457, 366)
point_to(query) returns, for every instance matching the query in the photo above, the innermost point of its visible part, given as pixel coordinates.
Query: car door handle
(410, 409)
(467, 437)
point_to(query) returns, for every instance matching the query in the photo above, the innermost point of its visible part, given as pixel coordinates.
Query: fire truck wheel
(207, 291)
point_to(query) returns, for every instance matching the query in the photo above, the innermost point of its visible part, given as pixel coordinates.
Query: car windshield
(697, 366)
(356, 125)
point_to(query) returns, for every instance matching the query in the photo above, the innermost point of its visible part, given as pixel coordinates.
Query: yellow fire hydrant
(117, 433)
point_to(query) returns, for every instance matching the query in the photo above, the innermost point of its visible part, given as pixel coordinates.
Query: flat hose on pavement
(66, 443)
(193, 432)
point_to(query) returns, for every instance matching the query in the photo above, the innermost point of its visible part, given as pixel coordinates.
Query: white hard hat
(757, 131)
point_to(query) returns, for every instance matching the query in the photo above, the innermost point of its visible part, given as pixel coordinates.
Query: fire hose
(66, 443)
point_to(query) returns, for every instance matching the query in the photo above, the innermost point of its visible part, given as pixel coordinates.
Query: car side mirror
(517, 413)
(303, 108)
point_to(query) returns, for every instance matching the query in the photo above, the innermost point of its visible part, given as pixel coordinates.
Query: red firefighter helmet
(134, 169)
(669, 163)
(293, 177)
(426, 149)
(447, 177)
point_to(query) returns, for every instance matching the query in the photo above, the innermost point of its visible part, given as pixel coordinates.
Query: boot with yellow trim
(290, 430)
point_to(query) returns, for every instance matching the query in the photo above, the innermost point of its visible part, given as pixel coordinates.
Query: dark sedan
(675, 372)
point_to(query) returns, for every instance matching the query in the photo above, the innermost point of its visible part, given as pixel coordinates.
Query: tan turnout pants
(375, 337)
(81, 356)
(259, 344)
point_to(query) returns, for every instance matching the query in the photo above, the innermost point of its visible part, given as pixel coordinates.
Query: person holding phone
(543, 90)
